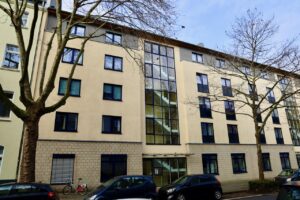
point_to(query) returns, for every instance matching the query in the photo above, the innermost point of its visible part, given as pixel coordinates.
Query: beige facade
(87, 144)
(10, 126)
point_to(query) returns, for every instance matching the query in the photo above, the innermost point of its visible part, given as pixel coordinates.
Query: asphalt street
(255, 197)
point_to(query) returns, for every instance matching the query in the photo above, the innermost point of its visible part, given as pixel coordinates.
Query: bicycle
(81, 188)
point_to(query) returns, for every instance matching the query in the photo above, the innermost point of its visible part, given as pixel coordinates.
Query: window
(112, 166)
(266, 162)
(229, 110)
(285, 160)
(1, 158)
(245, 70)
(298, 160)
(24, 19)
(278, 135)
(233, 134)
(113, 63)
(74, 87)
(275, 117)
(258, 116)
(4, 109)
(62, 168)
(66, 122)
(207, 133)
(220, 63)
(270, 95)
(262, 136)
(264, 75)
(238, 163)
(202, 83)
(210, 163)
(226, 87)
(70, 55)
(111, 124)
(197, 57)
(205, 107)
(78, 30)
(112, 92)
(113, 38)
(253, 92)
(12, 57)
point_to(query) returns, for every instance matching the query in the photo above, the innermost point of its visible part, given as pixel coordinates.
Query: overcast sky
(206, 21)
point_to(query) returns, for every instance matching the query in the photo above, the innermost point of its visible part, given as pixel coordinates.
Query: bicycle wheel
(67, 190)
(83, 190)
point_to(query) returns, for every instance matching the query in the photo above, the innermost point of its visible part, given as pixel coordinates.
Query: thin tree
(154, 16)
(253, 60)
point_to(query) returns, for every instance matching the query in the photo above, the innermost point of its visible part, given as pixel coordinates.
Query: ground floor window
(285, 160)
(62, 168)
(238, 163)
(210, 163)
(266, 162)
(164, 170)
(113, 165)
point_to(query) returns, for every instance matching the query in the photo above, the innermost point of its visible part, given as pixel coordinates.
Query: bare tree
(254, 60)
(154, 16)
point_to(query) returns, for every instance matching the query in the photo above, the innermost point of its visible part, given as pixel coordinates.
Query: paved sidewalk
(71, 197)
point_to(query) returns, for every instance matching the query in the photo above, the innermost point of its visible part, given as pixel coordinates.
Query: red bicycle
(81, 188)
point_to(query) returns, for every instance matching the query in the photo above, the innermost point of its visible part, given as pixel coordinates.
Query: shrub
(263, 186)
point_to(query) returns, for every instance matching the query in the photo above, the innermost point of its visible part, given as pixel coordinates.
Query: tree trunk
(30, 137)
(261, 174)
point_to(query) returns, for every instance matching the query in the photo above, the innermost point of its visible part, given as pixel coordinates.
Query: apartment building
(122, 118)
(10, 126)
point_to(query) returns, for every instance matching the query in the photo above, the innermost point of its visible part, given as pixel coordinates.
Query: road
(255, 197)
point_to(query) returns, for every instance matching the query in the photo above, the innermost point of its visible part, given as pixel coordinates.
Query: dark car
(286, 175)
(289, 191)
(27, 191)
(192, 187)
(124, 187)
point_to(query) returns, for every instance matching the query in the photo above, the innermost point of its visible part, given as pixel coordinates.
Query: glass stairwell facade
(160, 95)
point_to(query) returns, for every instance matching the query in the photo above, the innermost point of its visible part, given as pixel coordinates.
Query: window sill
(66, 131)
(9, 69)
(114, 70)
(112, 100)
(114, 133)
(163, 144)
(240, 172)
(5, 119)
(78, 64)
(60, 94)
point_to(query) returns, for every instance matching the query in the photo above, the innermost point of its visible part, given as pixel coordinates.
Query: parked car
(289, 191)
(192, 187)
(27, 191)
(287, 175)
(123, 187)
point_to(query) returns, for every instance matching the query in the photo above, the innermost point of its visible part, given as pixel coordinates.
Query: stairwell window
(207, 133)
(11, 57)
(113, 38)
(196, 57)
(275, 117)
(278, 135)
(70, 55)
(111, 124)
(205, 107)
(270, 95)
(226, 87)
(233, 134)
(229, 110)
(202, 83)
(4, 109)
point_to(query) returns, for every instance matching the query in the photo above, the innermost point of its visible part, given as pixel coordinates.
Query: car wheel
(180, 197)
(217, 195)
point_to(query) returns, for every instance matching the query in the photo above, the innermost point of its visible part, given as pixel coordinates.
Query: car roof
(15, 183)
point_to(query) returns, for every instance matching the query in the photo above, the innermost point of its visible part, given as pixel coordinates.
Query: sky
(206, 21)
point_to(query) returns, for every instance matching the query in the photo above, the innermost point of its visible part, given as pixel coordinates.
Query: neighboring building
(121, 121)
(10, 126)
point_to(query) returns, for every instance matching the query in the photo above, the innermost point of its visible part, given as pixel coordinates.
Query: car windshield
(289, 193)
(286, 172)
(107, 183)
(181, 180)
